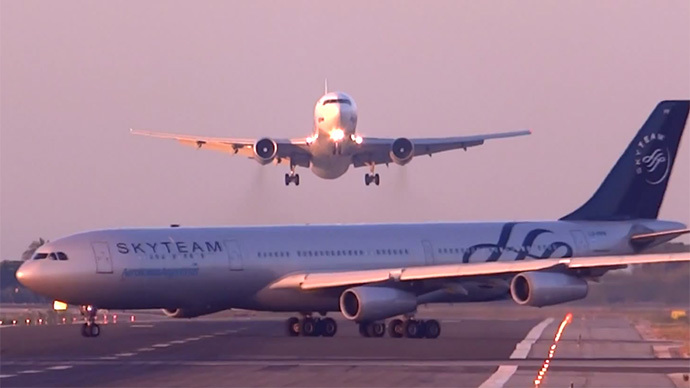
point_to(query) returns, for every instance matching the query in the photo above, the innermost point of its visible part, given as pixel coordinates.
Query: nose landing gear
(90, 328)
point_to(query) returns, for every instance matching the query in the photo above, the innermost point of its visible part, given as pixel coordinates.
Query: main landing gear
(90, 328)
(291, 177)
(311, 327)
(308, 326)
(370, 178)
(409, 328)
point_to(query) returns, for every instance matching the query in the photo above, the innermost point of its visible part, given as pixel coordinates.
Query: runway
(242, 352)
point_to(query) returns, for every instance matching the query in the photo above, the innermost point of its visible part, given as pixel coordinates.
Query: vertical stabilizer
(635, 187)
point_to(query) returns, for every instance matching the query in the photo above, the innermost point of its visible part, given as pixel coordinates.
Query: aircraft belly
(330, 166)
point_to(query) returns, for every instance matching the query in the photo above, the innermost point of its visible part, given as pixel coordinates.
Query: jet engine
(402, 151)
(191, 312)
(265, 150)
(368, 304)
(546, 288)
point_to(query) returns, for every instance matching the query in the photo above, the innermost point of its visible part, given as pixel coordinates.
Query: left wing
(374, 150)
(286, 149)
(319, 280)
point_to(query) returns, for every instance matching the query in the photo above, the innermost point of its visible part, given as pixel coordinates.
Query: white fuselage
(334, 137)
(233, 267)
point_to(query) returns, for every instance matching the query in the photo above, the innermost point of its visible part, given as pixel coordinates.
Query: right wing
(287, 149)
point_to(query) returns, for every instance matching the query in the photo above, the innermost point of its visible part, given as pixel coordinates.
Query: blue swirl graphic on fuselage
(499, 248)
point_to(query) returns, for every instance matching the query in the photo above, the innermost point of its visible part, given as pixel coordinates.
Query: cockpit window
(61, 256)
(337, 101)
(52, 256)
(40, 256)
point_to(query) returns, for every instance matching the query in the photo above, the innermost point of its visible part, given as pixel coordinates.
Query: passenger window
(40, 256)
(61, 256)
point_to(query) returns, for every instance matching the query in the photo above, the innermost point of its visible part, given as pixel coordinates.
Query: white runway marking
(108, 358)
(29, 371)
(161, 345)
(59, 367)
(5, 376)
(505, 372)
(125, 354)
(176, 342)
(145, 349)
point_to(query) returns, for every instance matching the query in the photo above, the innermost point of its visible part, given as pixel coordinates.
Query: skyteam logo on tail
(652, 158)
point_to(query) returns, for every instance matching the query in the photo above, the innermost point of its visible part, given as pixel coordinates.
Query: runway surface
(241, 352)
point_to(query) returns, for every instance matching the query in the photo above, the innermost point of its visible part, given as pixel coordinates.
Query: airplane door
(234, 255)
(104, 263)
(581, 244)
(428, 252)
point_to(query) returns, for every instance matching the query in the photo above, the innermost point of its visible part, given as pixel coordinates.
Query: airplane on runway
(371, 273)
(334, 144)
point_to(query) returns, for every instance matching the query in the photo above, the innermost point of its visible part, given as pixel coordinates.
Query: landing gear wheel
(395, 328)
(376, 329)
(293, 326)
(85, 331)
(432, 329)
(377, 180)
(310, 327)
(363, 330)
(296, 179)
(328, 327)
(287, 179)
(412, 328)
(367, 179)
(94, 330)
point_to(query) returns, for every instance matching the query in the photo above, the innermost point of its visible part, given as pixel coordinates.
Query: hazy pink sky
(76, 76)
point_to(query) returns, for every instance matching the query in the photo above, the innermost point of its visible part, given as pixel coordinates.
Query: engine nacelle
(546, 288)
(265, 150)
(191, 312)
(367, 304)
(402, 151)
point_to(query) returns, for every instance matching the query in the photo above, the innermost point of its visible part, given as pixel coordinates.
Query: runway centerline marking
(505, 372)
(59, 367)
(29, 371)
(5, 376)
(125, 354)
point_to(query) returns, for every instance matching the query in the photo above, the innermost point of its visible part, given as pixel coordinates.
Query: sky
(75, 76)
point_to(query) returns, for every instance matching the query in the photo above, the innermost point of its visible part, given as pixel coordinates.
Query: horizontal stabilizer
(643, 237)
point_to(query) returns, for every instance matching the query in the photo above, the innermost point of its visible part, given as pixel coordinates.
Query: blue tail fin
(636, 185)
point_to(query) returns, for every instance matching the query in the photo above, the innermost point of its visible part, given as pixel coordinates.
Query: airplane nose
(26, 274)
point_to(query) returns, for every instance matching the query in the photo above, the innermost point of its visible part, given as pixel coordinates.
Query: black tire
(363, 329)
(395, 328)
(310, 327)
(366, 179)
(296, 179)
(292, 326)
(377, 180)
(411, 328)
(377, 329)
(94, 330)
(432, 329)
(85, 331)
(287, 179)
(328, 327)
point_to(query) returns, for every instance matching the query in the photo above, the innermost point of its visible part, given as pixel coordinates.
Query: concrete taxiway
(594, 352)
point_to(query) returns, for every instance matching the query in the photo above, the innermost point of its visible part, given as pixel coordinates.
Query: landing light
(337, 134)
(59, 306)
(356, 139)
